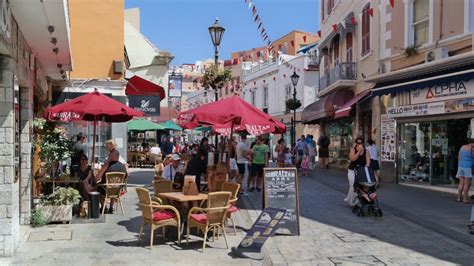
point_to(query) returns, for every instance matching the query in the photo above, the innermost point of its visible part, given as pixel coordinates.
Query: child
(305, 165)
(288, 158)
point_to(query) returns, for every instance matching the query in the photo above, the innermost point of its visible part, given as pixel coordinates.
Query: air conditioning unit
(118, 67)
(436, 54)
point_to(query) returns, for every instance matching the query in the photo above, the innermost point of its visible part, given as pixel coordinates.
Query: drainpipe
(440, 23)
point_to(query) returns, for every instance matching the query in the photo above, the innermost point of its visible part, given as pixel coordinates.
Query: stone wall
(9, 191)
(26, 97)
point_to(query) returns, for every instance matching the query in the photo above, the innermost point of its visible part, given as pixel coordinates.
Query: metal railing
(259, 66)
(342, 71)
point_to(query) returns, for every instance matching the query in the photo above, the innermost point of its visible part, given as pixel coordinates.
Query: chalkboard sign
(281, 191)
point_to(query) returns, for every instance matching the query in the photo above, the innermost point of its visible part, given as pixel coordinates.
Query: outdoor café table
(60, 181)
(180, 197)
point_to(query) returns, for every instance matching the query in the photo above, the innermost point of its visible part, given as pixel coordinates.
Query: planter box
(61, 213)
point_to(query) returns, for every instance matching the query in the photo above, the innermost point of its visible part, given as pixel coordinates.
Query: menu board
(281, 191)
(388, 131)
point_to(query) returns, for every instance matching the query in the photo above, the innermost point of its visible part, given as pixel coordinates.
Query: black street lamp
(294, 80)
(217, 32)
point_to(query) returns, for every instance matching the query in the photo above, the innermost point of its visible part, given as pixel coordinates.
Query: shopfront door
(415, 152)
(439, 153)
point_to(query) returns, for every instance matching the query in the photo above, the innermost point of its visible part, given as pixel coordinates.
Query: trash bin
(94, 200)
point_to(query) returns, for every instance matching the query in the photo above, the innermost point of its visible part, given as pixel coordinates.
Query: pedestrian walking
(311, 144)
(323, 143)
(305, 165)
(359, 157)
(242, 151)
(280, 149)
(374, 159)
(300, 150)
(465, 165)
(259, 154)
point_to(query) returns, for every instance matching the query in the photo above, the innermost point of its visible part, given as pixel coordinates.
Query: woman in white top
(374, 158)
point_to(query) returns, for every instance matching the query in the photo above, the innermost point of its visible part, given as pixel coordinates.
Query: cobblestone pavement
(115, 242)
(332, 234)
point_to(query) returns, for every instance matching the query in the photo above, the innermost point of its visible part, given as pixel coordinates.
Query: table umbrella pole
(93, 142)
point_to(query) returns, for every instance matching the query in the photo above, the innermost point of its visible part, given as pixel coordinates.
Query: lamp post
(294, 80)
(217, 32)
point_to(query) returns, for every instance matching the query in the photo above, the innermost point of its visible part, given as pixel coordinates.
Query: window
(265, 96)
(349, 47)
(323, 12)
(330, 6)
(365, 30)
(253, 97)
(335, 47)
(420, 22)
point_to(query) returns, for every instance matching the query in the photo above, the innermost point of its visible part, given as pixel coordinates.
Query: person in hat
(172, 169)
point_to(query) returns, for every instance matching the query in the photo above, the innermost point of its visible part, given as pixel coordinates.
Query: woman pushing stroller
(359, 157)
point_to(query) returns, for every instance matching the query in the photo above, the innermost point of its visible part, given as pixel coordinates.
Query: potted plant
(53, 144)
(293, 104)
(411, 50)
(57, 207)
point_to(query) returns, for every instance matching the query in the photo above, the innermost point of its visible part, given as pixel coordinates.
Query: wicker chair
(157, 215)
(162, 186)
(234, 189)
(141, 159)
(211, 217)
(114, 185)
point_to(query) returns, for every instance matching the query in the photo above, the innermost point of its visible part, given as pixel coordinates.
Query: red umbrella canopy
(90, 107)
(231, 112)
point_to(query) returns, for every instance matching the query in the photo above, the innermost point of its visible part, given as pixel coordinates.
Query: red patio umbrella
(231, 114)
(91, 107)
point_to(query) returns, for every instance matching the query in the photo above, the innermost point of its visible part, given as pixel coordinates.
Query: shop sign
(281, 191)
(150, 105)
(175, 85)
(388, 132)
(417, 110)
(442, 92)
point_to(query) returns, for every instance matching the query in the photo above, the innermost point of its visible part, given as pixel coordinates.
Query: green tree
(216, 78)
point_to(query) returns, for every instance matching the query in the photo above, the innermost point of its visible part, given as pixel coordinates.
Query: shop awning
(139, 86)
(345, 110)
(325, 107)
(421, 83)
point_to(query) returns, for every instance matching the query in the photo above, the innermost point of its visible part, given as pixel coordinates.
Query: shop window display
(415, 152)
(340, 133)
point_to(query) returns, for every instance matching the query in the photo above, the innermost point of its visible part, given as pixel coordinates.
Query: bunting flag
(334, 27)
(292, 43)
(274, 78)
(392, 3)
(304, 38)
(256, 18)
(254, 83)
(343, 25)
(259, 25)
(371, 12)
(263, 81)
(353, 20)
(319, 33)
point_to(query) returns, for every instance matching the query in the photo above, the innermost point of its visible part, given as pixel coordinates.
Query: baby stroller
(365, 187)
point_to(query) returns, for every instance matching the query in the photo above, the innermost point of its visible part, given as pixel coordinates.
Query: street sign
(281, 191)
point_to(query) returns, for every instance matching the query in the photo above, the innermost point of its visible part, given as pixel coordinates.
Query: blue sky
(180, 26)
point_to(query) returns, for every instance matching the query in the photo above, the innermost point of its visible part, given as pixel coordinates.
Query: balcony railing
(259, 66)
(342, 71)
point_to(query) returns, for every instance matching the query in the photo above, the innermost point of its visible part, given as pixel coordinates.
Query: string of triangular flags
(353, 21)
(266, 39)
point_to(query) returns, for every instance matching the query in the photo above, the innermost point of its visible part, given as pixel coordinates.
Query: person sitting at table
(112, 164)
(85, 173)
(197, 167)
(172, 171)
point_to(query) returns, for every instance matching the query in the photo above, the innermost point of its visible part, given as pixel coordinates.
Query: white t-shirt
(373, 152)
(169, 172)
(155, 150)
(241, 150)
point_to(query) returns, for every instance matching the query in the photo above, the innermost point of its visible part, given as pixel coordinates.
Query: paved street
(331, 233)
(115, 242)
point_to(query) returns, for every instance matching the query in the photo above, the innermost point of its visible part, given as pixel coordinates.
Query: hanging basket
(293, 104)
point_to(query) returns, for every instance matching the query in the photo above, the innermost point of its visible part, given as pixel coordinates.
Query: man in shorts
(259, 161)
(241, 151)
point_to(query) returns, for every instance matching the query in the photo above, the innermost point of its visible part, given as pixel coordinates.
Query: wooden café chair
(162, 186)
(157, 215)
(210, 218)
